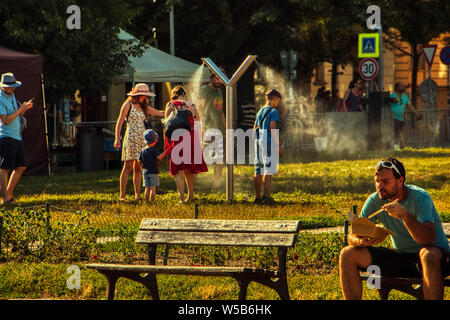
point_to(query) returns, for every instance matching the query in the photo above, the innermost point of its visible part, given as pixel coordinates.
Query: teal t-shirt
(8, 105)
(398, 109)
(419, 203)
(213, 113)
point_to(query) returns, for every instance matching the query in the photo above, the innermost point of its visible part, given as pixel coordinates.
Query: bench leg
(151, 284)
(279, 285)
(282, 289)
(384, 293)
(112, 279)
(149, 281)
(243, 285)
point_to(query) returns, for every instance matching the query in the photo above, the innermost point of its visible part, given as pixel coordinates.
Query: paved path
(340, 229)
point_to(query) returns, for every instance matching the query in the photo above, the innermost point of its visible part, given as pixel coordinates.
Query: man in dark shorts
(420, 248)
(12, 157)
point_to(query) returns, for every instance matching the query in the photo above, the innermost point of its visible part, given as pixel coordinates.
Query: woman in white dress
(136, 106)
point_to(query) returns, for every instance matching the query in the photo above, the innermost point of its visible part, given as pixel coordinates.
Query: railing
(433, 130)
(66, 132)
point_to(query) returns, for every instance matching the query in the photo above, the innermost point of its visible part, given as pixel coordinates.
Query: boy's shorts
(264, 163)
(150, 180)
(12, 153)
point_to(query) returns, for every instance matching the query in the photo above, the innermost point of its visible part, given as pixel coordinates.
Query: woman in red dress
(186, 157)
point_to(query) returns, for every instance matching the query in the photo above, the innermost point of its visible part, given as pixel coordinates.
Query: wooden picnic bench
(195, 232)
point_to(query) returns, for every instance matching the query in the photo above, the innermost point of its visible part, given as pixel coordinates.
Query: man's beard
(387, 195)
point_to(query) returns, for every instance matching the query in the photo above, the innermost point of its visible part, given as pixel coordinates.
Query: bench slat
(216, 238)
(180, 270)
(287, 226)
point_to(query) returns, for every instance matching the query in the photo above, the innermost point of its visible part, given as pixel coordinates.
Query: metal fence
(301, 130)
(433, 130)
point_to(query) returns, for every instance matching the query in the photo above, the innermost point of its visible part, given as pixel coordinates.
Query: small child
(266, 159)
(148, 160)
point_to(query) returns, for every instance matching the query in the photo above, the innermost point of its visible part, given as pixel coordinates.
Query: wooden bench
(194, 232)
(411, 286)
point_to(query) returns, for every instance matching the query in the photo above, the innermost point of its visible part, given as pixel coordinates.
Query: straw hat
(9, 81)
(141, 89)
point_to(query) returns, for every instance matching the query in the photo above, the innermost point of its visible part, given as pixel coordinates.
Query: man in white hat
(12, 155)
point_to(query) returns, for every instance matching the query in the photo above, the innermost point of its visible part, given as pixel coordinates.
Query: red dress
(197, 163)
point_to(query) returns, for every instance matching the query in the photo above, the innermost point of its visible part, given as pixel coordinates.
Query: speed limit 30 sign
(368, 68)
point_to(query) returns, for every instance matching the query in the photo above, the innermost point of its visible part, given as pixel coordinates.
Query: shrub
(27, 235)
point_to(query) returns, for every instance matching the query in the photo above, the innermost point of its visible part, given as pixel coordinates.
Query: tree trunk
(334, 76)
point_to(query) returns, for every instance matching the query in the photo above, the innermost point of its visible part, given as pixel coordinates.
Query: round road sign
(368, 68)
(445, 55)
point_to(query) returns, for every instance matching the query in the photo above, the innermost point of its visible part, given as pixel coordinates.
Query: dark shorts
(12, 153)
(398, 127)
(394, 263)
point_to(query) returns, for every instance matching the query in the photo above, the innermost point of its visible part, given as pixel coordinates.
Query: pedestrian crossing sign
(369, 45)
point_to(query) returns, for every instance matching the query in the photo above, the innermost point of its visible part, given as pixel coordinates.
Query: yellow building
(397, 66)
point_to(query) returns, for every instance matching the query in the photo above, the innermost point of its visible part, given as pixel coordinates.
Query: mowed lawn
(311, 187)
(308, 186)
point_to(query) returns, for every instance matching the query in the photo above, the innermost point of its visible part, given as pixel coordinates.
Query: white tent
(157, 66)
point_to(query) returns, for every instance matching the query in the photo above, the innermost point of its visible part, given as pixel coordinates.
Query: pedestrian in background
(133, 111)
(12, 152)
(267, 146)
(400, 101)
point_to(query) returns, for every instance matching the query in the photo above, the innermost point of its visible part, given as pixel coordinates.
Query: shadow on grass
(301, 156)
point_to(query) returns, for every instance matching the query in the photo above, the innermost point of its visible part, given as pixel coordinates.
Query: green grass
(317, 189)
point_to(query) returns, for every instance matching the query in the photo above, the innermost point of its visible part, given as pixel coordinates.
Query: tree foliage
(81, 59)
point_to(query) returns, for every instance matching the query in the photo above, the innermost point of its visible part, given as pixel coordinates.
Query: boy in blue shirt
(267, 146)
(148, 160)
(420, 247)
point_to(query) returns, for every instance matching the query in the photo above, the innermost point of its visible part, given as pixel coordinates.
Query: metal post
(55, 117)
(172, 31)
(229, 85)
(380, 71)
(448, 102)
(229, 153)
(46, 125)
(1, 232)
(346, 232)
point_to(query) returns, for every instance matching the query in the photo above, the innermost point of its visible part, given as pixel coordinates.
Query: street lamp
(229, 83)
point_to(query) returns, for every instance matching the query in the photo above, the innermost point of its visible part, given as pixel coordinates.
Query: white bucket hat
(141, 89)
(9, 81)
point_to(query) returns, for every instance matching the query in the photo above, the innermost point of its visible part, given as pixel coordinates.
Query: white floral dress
(133, 141)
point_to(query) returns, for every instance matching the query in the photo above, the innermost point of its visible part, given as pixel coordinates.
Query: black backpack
(180, 120)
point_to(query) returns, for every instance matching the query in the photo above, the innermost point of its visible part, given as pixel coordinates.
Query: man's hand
(396, 210)
(362, 242)
(26, 106)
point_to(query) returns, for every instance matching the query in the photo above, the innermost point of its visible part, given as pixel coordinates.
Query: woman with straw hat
(133, 110)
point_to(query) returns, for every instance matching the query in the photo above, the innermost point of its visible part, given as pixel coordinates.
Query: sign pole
(230, 86)
(380, 71)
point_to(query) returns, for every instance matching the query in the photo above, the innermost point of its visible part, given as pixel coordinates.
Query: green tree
(83, 59)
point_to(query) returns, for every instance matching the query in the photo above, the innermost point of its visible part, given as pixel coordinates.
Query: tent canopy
(157, 66)
(27, 68)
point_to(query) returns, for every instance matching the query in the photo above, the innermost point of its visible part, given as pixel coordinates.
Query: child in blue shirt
(148, 160)
(266, 159)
